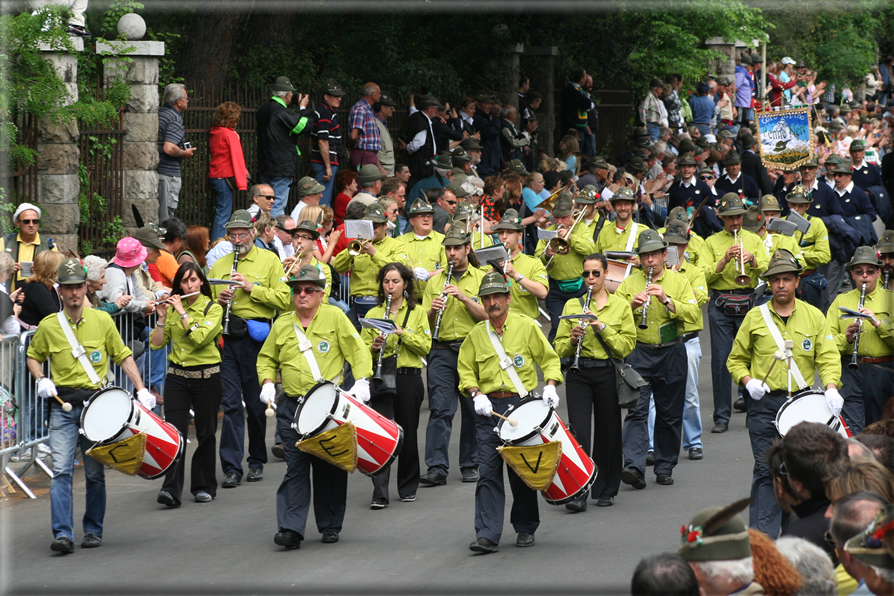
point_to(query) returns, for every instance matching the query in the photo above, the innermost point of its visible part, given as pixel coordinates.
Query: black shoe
(720, 427)
(524, 539)
(167, 499)
(254, 475)
(470, 474)
(330, 536)
(231, 480)
(78, 31)
(578, 505)
(91, 540)
(665, 479)
(408, 499)
(633, 477)
(432, 478)
(203, 497)
(605, 501)
(63, 545)
(289, 539)
(278, 451)
(739, 405)
(483, 545)
(696, 453)
(650, 458)
(378, 503)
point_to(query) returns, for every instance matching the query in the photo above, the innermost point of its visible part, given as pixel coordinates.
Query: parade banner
(786, 138)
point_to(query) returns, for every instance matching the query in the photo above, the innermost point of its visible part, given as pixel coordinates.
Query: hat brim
(335, 92)
(493, 289)
(230, 225)
(152, 244)
(781, 268)
(651, 247)
(139, 258)
(863, 261)
(512, 227)
(733, 211)
(312, 191)
(365, 180)
(451, 241)
(375, 218)
(428, 211)
(317, 282)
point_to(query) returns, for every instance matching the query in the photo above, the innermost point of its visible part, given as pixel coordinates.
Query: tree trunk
(210, 45)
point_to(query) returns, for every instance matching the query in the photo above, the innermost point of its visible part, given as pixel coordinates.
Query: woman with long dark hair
(193, 321)
(404, 351)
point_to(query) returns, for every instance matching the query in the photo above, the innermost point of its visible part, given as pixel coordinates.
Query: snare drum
(809, 406)
(326, 406)
(112, 415)
(616, 273)
(538, 423)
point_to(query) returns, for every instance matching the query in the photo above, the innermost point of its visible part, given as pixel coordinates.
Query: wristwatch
(519, 278)
(475, 394)
(668, 301)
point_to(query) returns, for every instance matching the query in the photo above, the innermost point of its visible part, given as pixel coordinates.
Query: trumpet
(643, 324)
(853, 364)
(226, 325)
(378, 374)
(742, 279)
(356, 246)
(437, 330)
(583, 324)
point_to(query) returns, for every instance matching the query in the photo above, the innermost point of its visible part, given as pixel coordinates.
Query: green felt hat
(71, 272)
(588, 195)
(241, 218)
(311, 227)
(731, 204)
(716, 534)
(886, 242)
(510, 221)
(564, 205)
(309, 186)
(753, 219)
(420, 207)
(864, 255)
(308, 273)
(623, 194)
(375, 213)
(770, 203)
(782, 261)
(457, 235)
(799, 194)
(649, 241)
(493, 283)
(869, 545)
(676, 233)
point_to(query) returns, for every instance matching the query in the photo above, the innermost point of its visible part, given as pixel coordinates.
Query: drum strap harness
(780, 344)
(307, 349)
(634, 227)
(77, 350)
(506, 361)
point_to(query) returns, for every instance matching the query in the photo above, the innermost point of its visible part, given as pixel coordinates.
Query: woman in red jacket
(227, 170)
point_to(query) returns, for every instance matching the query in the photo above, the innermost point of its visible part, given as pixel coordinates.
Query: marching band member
(885, 248)
(866, 387)
(623, 234)
(304, 238)
(408, 346)
(696, 245)
(761, 334)
(814, 245)
(423, 244)
(492, 389)
(770, 209)
(529, 282)
(249, 308)
(331, 340)
(466, 212)
(591, 390)
(74, 380)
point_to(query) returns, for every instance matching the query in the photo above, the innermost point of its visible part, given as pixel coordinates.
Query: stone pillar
(138, 65)
(58, 159)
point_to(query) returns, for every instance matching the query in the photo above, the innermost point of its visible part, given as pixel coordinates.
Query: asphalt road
(227, 546)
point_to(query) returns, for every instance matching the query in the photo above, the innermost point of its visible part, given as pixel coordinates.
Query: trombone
(742, 279)
(549, 203)
(559, 244)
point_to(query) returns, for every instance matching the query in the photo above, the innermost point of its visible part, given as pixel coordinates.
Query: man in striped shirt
(364, 131)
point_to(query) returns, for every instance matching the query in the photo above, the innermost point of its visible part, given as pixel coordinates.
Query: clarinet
(853, 364)
(226, 325)
(378, 375)
(583, 324)
(885, 277)
(642, 322)
(437, 331)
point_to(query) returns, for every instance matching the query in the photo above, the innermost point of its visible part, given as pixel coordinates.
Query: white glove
(756, 389)
(268, 393)
(482, 404)
(46, 388)
(421, 273)
(360, 390)
(146, 398)
(834, 400)
(550, 396)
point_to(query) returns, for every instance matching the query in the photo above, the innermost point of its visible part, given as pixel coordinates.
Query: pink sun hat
(130, 252)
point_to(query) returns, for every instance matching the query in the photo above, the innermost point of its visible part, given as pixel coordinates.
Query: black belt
(687, 336)
(443, 345)
(594, 362)
(640, 344)
(413, 372)
(737, 291)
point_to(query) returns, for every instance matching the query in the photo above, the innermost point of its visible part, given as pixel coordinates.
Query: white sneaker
(44, 449)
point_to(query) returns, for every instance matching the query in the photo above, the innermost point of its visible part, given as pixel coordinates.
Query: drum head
(317, 405)
(807, 407)
(106, 414)
(529, 414)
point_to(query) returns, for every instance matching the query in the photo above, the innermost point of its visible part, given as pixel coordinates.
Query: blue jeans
(223, 206)
(654, 131)
(280, 188)
(318, 170)
(64, 440)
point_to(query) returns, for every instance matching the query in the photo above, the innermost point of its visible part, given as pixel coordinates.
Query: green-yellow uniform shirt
(523, 342)
(619, 333)
(365, 268)
(663, 325)
(874, 342)
(456, 321)
(614, 238)
(327, 272)
(696, 278)
(96, 332)
(425, 252)
(715, 249)
(753, 348)
(522, 300)
(693, 249)
(415, 342)
(263, 269)
(774, 242)
(333, 340)
(568, 266)
(815, 243)
(476, 240)
(198, 345)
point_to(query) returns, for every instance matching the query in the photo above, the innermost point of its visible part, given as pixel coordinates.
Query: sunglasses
(706, 177)
(594, 273)
(451, 202)
(29, 221)
(305, 290)
(287, 231)
(268, 197)
(862, 272)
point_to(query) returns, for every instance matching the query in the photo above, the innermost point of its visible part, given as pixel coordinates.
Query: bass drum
(809, 406)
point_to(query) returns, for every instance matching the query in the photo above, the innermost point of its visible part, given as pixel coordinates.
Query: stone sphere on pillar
(132, 26)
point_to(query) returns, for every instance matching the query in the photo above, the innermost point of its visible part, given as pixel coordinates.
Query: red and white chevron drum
(326, 406)
(538, 423)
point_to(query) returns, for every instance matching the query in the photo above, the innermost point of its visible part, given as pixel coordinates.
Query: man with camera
(172, 148)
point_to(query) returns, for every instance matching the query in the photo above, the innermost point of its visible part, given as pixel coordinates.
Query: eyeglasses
(839, 175)
(451, 202)
(594, 273)
(268, 197)
(29, 221)
(303, 237)
(238, 236)
(305, 290)
(867, 272)
(287, 231)
(706, 177)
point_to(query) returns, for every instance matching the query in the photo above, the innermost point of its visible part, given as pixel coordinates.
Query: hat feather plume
(714, 523)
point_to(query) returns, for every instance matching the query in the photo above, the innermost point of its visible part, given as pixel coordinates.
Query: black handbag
(237, 327)
(627, 381)
(386, 383)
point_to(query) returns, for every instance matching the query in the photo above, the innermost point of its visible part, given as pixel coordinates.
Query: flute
(168, 300)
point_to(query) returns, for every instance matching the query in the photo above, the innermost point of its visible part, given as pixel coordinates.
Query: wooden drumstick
(777, 356)
(270, 413)
(511, 421)
(66, 407)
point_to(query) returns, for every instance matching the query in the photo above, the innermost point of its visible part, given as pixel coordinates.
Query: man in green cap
(466, 213)
(696, 243)
(525, 274)
(305, 236)
(312, 340)
(453, 310)
(885, 249)
(441, 176)
(75, 378)
(663, 302)
(729, 254)
(866, 386)
(623, 234)
(762, 334)
(866, 175)
(814, 245)
(326, 140)
(735, 181)
(310, 191)
(462, 164)
(262, 293)
(497, 367)
(370, 181)
(423, 244)
(870, 548)
(769, 210)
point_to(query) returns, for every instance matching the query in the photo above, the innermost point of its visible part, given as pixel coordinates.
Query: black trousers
(591, 394)
(865, 392)
(239, 373)
(403, 408)
(203, 396)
